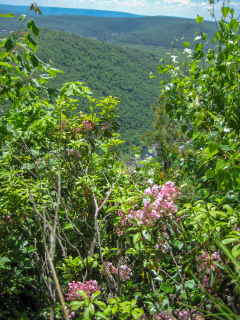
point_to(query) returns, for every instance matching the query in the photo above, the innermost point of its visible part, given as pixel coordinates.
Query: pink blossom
(87, 125)
(124, 271)
(89, 287)
(160, 202)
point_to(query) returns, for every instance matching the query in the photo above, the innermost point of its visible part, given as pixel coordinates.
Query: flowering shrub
(7, 219)
(206, 265)
(124, 271)
(163, 316)
(87, 125)
(90, 287)
(105, 126)
(161, 203)
(207, 261)
(184, 315)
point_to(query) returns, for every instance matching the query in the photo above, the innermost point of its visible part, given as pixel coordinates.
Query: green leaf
(204, 159)
(101, 304)
(3, 130)
(158, 279)
(150, 181)
(7, 15)
(212, 149)
(5, 64)
(74, 88)
(131, 251)
(190, 284)
(86, 315)
(116, 220)
(198, 47)
(83, 294)
(101, 315)
(199, 19)
(211, 222)
(114, 309)
(204, 36)
(124, 207)
(229, 209)
(112, 300)
(225, 11)
(184, 128)
(136, 237)
(76, 304)
(193, 66)
(161, 69)
(3, 55)
(39, 124)
(212, 277)
(91, 308)
(147, 235)
(210, 174)
(229, 240)
(236, 251)
(30, 249)
(95, 295)
(136, 314)
(22, 17)
(31, 25)
(133, 303)
(10, 43)
(186, 44)
(3, 260)
(139, 310)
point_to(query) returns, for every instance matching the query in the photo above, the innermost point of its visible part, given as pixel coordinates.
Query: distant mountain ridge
(46, 11)
(142, 31)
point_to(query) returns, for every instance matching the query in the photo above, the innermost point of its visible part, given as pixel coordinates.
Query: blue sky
(180, 8)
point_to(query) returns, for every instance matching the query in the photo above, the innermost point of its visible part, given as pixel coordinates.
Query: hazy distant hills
(130, 31)
(65, 11)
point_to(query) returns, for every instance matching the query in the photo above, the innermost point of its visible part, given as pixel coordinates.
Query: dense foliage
(83, 236)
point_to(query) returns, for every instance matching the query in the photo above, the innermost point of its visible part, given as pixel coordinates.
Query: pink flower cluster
(207, 261)
(184, 315)
(163, 316)
(124, 271)
(161, 203)
(73, 153)
(63, 124)
(7, 219)
(105, 126)
(90, 287)
(87, 125)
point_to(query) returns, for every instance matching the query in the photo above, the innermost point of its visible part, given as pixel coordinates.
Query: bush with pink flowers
(159, 203)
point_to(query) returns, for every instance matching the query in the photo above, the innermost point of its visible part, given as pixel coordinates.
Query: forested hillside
(113, 70)
(107, 70)
(156, 31)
